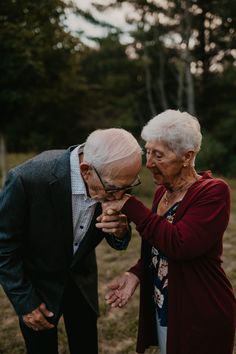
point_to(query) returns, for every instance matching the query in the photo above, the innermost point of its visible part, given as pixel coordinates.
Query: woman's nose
(149, 162)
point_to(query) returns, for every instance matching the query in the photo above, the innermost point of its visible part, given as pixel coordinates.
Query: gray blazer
(36, 236)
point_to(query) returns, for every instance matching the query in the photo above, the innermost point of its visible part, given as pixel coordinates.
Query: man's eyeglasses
(114, 189)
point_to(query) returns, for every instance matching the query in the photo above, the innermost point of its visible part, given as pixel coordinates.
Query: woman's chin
(157, 179)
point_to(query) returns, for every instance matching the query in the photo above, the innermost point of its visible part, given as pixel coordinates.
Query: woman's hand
(116, 204)
(121, 289)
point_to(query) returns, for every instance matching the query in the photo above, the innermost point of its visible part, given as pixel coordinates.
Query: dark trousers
(80, 323)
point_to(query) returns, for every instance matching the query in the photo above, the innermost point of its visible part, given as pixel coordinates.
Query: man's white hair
(106, 146)
(179, 130)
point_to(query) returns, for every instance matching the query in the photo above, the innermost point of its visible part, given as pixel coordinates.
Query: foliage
(185, 53)
(55, 89)
(112, 81)
(212, 155)
(38, 59)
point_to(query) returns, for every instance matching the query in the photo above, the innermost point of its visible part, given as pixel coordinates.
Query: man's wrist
(121, 235)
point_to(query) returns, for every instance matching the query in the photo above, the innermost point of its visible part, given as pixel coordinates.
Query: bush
(212, 156)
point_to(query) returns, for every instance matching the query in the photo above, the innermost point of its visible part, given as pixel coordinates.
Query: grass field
(117, 327)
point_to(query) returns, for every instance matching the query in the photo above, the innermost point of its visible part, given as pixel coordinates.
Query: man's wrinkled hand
(113, 222)
(37, 318)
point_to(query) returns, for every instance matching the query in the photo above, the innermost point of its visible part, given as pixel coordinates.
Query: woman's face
(164, 164)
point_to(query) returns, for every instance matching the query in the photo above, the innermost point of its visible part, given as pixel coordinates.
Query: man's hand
(37, 318)
(112, 221)
(121, 289)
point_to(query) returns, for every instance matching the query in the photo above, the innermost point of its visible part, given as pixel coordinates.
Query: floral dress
(159, 272)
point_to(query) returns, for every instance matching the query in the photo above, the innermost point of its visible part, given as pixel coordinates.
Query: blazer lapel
(60, 186)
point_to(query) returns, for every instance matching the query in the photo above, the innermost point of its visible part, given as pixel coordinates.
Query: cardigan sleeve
(200, 228)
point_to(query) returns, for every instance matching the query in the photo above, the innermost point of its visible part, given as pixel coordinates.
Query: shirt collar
(77, 182)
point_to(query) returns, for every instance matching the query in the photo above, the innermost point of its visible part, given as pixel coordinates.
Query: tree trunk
(180, 88)
(161, 81)
(190, 95)
(190, 91)
(146, 62)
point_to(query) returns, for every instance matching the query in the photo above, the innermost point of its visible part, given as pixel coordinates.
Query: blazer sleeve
(199, 229)
(13, 227)
(117, 243)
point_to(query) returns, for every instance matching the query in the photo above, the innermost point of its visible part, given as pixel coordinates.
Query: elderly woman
(187, 305)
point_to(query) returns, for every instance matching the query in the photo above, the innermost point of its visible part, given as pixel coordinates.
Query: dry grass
(117, 327)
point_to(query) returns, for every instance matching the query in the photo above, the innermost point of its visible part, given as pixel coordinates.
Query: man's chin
(96, 196)
(100, 199)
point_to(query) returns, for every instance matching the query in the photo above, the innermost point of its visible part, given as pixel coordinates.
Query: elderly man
(48, 210)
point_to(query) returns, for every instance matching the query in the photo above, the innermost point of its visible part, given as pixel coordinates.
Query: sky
(114, 16)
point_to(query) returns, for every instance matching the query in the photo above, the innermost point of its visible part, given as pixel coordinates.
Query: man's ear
(85, 170)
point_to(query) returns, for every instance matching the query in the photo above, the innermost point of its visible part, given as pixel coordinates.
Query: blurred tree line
(55, 89)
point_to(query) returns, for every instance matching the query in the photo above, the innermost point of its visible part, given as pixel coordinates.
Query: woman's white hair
(180, 131)
(105, 146)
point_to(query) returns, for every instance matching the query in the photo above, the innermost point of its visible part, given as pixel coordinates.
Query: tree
(186, 52)
(37, 58)
(162, 42)
(111, 77)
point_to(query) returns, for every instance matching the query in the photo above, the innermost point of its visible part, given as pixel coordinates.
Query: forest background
(55, 88)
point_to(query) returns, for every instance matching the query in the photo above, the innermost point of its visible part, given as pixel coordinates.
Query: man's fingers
(110, 225)
(36, 319)
(106, 227)
(114, 218)
(99, 218)
(41, 325)
(45, 311)
(112, 212)
(109, 231)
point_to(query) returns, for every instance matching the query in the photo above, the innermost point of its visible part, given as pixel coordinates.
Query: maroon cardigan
(201, 303)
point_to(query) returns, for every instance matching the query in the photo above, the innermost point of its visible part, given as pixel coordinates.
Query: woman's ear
(188, 158)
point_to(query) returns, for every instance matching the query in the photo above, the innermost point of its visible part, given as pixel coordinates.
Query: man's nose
(119, 194)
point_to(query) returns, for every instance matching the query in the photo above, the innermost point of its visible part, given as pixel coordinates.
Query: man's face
(111, 185)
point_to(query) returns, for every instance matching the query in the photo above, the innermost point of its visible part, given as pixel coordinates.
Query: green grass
(117, 327)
